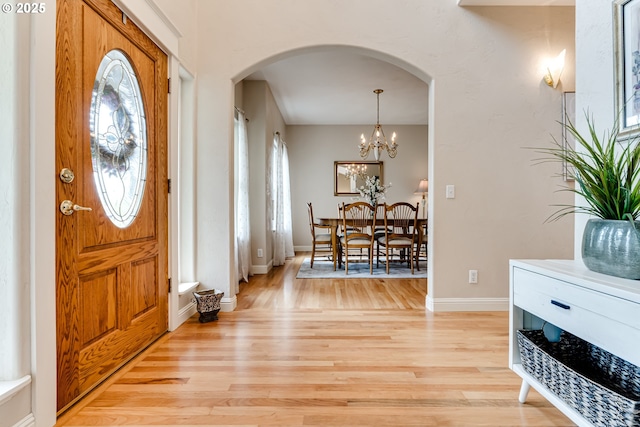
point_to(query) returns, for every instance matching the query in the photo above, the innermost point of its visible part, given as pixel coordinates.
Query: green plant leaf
(606, 172)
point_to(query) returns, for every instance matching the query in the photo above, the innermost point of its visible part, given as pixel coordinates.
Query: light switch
(451, 191)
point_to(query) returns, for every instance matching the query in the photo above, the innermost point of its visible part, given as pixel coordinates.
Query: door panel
(97, 305)
(111, 279)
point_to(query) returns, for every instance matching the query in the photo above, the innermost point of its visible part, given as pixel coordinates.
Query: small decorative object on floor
(208, 304)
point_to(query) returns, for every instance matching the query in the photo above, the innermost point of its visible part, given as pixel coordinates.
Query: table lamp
(423, 188)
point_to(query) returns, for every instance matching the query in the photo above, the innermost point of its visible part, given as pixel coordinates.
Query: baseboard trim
(228, 304)
(28, 421)
(186, 312)
(261, 269)
(302, 249)
(467, 304)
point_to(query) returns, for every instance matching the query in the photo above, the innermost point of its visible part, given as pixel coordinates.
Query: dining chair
(379, 229)
(354, 252)
(400, 223)
(360, 217)
(320, 241)
(421, 252)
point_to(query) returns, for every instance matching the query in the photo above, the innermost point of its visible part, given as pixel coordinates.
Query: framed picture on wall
(568, 140)
(349, 176)
(627, 65)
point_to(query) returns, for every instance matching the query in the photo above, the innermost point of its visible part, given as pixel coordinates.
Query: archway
(288, 59)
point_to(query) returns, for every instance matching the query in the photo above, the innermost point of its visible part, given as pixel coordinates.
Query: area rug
(358, 270)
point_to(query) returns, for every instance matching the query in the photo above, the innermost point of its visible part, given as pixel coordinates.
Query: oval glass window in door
(118, 138)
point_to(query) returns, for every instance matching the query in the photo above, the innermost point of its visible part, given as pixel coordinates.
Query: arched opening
(279, 82)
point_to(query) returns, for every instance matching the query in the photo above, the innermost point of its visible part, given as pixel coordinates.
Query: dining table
(335, 222)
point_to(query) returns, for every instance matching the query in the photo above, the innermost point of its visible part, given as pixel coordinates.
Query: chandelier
(359, 170)
(378, 140)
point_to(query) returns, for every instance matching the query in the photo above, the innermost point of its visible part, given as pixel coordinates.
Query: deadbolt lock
(66, 175)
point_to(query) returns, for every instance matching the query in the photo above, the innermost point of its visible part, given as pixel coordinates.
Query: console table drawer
(609, 322)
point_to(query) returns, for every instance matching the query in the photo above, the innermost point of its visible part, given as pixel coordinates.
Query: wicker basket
(603, 388)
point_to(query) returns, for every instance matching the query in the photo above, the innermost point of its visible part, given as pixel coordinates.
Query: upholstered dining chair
(320, 237)
(400, 223)
(360, 217)
(341, 231)
(355, 252)
(379, 229)
(421, 252)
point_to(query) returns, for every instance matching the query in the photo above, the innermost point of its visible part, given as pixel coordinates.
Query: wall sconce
(554, 69)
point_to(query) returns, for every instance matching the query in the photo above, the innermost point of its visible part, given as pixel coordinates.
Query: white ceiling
(335, 87)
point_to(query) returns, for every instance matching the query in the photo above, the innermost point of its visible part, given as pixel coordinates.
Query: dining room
(314, 172)
(318, 143)
(318, 155)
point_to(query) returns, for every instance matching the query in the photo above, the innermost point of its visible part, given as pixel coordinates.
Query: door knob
(67, 207)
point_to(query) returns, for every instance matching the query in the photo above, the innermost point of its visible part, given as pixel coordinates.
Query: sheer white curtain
(243, 229)
(283, 238)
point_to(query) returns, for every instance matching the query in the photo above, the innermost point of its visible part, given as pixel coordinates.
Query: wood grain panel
(104, 356)
(68, 107)
(90, 262)
(144, 296)
(98, 305)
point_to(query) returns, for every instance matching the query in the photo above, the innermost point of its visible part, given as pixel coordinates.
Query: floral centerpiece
(373, 190)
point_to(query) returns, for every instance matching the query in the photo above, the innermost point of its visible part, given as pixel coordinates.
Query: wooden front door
(111, 134)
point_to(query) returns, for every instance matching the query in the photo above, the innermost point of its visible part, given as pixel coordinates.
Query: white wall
(595, 80)
(487, 102)
(312, 152)
(15, 294)
(181, 14)
(264, 120)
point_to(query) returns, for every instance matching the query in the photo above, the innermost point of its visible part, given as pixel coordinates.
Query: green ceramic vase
(612, 247)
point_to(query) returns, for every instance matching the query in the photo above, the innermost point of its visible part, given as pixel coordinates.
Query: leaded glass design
(118, 138)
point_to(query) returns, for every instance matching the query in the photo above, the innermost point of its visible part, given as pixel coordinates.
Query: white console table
(600, 309)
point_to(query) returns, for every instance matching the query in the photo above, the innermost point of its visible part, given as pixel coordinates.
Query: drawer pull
(561, 305)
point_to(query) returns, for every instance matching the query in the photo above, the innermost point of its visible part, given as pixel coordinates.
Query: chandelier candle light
(356, 170)
(378, 140)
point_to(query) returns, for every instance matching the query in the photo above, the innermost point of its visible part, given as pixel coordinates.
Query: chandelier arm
(384, 137)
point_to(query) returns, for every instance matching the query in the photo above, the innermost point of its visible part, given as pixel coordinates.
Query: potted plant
(606, 172)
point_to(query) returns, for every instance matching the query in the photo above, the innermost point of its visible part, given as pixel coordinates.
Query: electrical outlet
(473, 276)
(260, 253)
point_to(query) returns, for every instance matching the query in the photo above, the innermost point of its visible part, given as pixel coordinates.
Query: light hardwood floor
(323, 352)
